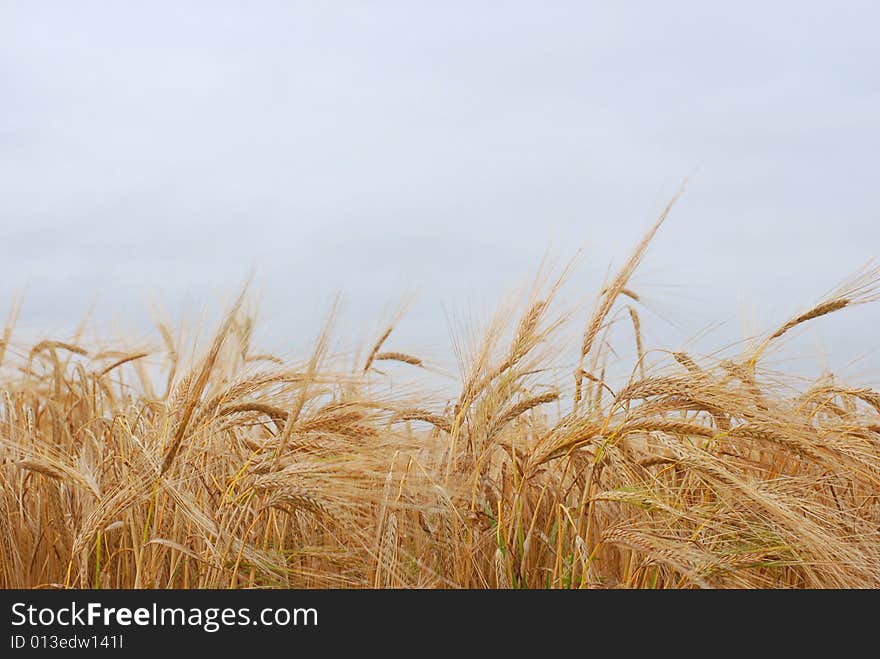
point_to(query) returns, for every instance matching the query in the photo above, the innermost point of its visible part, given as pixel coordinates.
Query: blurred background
(156, 154)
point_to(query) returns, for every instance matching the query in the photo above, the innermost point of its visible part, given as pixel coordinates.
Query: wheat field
(229, 468)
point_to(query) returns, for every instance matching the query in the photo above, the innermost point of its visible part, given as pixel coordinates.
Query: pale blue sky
(161, 151)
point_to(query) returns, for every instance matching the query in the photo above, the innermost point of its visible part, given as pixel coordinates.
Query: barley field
(231, 468)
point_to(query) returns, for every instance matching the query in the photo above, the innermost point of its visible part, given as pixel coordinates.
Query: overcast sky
(160, 151)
